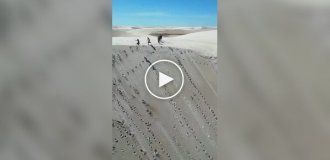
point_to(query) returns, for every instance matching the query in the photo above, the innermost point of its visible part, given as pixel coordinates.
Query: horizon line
(161, 26)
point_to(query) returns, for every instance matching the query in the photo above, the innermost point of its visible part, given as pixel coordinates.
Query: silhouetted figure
(138, 42)
(160, 37)
(148, 40)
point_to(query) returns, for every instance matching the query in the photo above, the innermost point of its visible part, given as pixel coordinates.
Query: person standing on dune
(148, 40)
(160, 37)
(138, 42)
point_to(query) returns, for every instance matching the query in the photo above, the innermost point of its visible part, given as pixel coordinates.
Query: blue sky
(164, 12)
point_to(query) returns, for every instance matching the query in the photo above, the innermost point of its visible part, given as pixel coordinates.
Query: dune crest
(204, 41)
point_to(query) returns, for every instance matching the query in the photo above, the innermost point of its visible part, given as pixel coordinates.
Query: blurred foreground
(55, 80)
(274, 86)
(55, 66)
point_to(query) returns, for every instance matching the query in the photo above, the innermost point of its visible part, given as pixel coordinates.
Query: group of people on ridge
(160, 37)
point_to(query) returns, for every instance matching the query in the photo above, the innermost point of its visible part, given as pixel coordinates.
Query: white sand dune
(148, 30)
(181, 128)
(144, 31)
(149, 128)
(204, 41)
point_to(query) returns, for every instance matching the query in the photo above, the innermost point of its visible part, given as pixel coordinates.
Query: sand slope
(203, 41)
(148, 128)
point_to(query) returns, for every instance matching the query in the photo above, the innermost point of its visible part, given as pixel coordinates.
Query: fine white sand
(201, 40)
(181, 128)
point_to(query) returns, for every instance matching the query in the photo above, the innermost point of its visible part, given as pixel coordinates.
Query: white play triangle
(163, 79)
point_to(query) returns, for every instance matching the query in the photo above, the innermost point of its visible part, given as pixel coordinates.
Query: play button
(164, 79)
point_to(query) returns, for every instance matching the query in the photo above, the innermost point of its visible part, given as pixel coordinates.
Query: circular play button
(164, 79)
